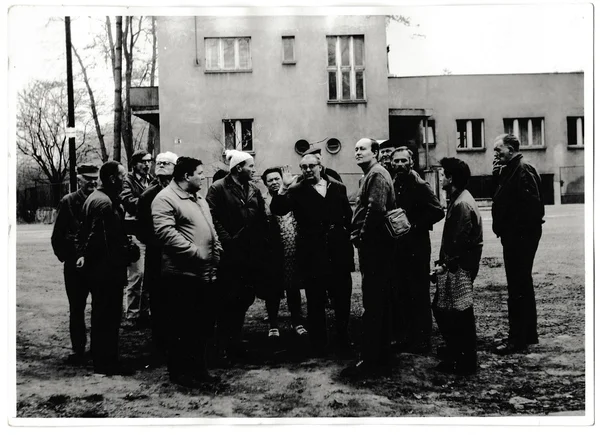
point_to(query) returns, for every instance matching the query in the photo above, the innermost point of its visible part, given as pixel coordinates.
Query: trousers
(77, 294)
(190, 308)
(459, 333)
(375, 267)
(153, 288)
(519, 253)
(137, 302)
(107, 299)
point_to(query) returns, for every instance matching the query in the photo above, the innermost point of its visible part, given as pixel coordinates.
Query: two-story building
(274, 85)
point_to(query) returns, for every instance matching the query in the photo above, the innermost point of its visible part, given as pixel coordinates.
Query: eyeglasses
(163, 163)
(309, 166)
(146, 162)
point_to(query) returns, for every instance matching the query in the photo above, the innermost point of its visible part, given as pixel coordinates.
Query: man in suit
(325, 254)
(517, 218)
(64, 235)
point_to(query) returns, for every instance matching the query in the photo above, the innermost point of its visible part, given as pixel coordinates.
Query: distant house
(274, 85)
(466, 112)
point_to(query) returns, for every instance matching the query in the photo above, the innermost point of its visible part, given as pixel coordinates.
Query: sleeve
(346, 208)
(377, 194)
(60, 231)
(165, 229)
(281, 204)
(530, 199)
(128, 197)
(458, 241)
(431, 210)
(144, 216)
(215, 203)
(94, 240)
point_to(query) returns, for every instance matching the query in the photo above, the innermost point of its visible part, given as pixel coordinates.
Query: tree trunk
(103, 152)
(127, 131)
(152, 129)
(117, 74)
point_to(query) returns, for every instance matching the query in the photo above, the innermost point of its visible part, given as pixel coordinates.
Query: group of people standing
(193, 266)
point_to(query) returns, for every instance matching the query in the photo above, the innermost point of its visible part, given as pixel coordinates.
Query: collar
(454, 196)
(368, 168)
(182, 193)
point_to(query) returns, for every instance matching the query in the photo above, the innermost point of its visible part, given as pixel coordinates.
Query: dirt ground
(548, 380)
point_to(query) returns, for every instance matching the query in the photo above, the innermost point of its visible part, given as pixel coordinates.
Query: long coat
(323, 227)
(241, 223)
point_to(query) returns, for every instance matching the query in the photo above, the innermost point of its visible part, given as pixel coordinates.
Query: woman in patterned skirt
(285, 269)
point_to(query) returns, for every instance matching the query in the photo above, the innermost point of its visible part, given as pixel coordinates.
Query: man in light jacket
(190, 255)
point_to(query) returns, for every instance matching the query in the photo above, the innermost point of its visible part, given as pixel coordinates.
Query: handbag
(397, 223)
(454, 291)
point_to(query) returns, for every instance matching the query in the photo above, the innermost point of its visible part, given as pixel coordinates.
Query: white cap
(167, 156)
(236, 157)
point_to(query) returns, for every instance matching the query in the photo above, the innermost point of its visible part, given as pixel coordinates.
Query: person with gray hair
(165, 164)
(517, 218)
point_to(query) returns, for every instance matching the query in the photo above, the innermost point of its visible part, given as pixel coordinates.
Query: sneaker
(300, 330)
(273, 333)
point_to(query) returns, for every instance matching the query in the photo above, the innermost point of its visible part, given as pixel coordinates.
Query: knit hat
(167, 156)
(236, 157)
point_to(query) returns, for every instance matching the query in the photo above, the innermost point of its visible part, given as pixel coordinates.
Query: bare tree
(116, 57)
(152, 131)
(41, 126)
(103, 152)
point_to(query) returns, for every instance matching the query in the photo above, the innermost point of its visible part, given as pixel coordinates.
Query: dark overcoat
(323, 243)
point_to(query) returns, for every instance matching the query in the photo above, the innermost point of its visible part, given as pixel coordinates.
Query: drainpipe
(426, 144)
(196, 39)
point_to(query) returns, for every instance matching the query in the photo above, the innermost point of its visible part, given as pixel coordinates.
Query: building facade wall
(493, 98)
(286, 102)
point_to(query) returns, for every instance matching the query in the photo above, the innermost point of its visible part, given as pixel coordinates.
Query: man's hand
(439, 269)
(80, 262)
(287, 177)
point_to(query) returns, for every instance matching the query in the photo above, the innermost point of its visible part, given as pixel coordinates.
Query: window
(470, 134)
(301, 146)
(238, 134)
(575, 130)
(334, 145)
(228, 54)
(430, 132)
(529, 131)
(289, 49)
(346, 68)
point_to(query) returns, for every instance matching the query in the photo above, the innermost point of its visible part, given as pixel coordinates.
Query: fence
(572, 184)
(35, 203)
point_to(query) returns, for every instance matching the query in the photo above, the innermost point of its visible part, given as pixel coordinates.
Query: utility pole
(71, 107)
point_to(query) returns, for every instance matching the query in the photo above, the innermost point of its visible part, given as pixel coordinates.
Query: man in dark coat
(64, 234)
(517, 218)
(165, 163)
(412, 317)
(326, 256)
(239, 216)
(105, 251)
(137, 180)
(375, 248)
(325, 171)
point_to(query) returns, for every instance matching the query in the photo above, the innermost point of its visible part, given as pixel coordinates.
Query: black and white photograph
(304, 214)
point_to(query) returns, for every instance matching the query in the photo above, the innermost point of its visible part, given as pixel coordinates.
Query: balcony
(144, 103)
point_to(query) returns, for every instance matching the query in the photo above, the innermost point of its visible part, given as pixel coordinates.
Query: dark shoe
(207, 378)
(533, 340)
(116, 370)
(443, 352)
(185, 381)
(360, 369)
(447, 367)
(509, 348)
(76, 359)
